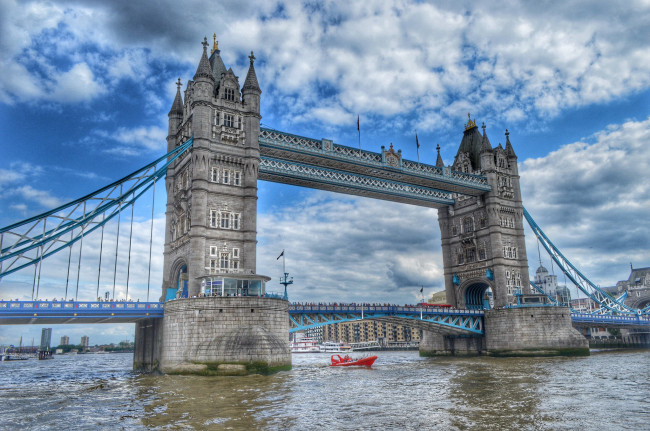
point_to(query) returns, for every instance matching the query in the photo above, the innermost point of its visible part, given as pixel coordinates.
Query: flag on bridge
(359, 130)
(281, 254)
(421, 289)
(417, 145)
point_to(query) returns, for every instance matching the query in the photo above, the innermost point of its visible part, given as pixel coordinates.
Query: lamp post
(285, 281)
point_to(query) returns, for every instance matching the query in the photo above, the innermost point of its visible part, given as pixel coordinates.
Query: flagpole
(359, 130)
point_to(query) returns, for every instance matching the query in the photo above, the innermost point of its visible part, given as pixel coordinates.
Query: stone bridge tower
(483, 242)
(211, 216)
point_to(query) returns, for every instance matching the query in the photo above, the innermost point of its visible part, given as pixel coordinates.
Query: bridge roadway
(440, 320)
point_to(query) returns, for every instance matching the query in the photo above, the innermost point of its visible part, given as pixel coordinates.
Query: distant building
(370, 330)
(65, 340)
(46, 338)
(84, 341)
(637, 287)
(548, 283)
(315, 333)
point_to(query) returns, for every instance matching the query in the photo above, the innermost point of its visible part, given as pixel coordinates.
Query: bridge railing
(276, 138)
(610, 319)
(75, 308)
(380, 308)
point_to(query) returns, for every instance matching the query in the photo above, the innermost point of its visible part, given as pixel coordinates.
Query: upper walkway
(322, 164)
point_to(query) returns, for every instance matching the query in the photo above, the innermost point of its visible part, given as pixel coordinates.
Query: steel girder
(326, 154)
(351, 183)
(457, 322)
(27, 242)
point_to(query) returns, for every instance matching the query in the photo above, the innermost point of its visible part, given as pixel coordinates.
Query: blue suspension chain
(128, 266)
(81, 245)
(101, 247)
(117, 242)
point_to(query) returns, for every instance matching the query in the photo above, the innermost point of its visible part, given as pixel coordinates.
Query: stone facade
(211, 215)
(483, 243)
(225, 335)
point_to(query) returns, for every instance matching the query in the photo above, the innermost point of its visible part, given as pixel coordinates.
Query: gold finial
(470, 123)
(215, 44)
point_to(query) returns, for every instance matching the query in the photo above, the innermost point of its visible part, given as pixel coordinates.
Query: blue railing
(609, 319)
(79, 310)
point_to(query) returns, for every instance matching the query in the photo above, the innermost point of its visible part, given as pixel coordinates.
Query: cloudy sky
(86, 87)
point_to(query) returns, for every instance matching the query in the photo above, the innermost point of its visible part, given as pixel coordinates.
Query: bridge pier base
(225, 336)
(148, 339)
(529, 331)
(533, 331)
(435, 344)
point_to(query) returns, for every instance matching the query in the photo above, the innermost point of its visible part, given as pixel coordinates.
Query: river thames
(607, 390)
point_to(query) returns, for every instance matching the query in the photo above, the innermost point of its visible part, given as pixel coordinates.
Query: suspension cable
(101, 247)
(81, 245)
(117, 242)
(153, 204)
(67, 277)
(128, 266)
(40, 263)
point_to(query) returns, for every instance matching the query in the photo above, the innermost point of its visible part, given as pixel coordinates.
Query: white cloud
(592, 199)
(75, 85)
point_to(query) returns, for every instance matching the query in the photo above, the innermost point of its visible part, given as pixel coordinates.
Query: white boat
(304, 345)
(335, 347)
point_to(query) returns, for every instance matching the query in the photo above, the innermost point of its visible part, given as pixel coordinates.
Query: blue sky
(86, 87)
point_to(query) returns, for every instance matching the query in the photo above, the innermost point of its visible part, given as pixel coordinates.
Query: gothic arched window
(468, 225)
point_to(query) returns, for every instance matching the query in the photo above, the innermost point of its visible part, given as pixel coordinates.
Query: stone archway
(179, 280)
(478, 295)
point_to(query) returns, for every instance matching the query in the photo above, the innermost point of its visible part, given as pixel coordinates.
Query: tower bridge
(215, 309)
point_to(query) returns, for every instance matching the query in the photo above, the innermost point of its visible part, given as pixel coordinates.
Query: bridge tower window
(226, 176)
(214, 217)
(214, 175)
(224, 262)
(468, 225)
(225, 220)
(229, 120)
(229, 94)
(237, 178)
(235, 221)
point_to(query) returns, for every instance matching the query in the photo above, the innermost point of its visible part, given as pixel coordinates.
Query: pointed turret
(471, 144)
(204, 70)
(485, 145)
(218, 68)
(510, 152)
(175, 117)
(439, 162)
(251, 90)
(177, 106)
(251, 78)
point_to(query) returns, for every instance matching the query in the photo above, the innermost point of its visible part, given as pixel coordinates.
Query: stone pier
(525, 331)
(216, 336)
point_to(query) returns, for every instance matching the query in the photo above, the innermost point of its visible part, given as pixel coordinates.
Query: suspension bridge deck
(302, 317)
(56, 312)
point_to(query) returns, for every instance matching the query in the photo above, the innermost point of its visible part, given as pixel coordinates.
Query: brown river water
(609, 390)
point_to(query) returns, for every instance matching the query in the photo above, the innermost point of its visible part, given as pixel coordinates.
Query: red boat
(346, 361)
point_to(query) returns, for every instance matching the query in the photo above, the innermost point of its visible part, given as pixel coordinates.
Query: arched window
(468, 225)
